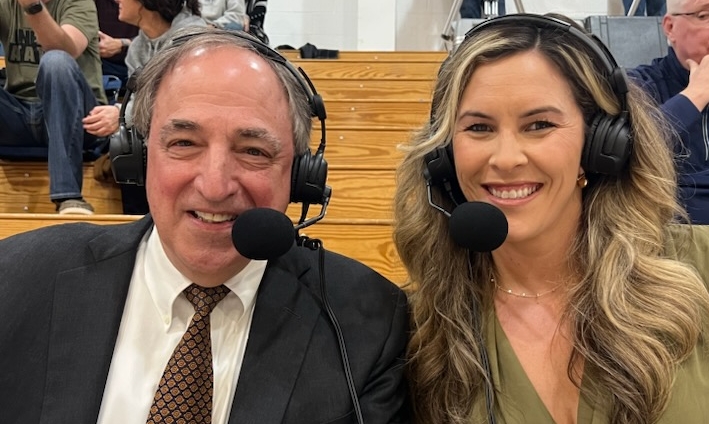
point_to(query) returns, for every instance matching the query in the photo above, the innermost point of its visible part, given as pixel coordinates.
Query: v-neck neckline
(515, 392)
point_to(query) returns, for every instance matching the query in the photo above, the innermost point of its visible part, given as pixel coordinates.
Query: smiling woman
(586, 312)
(519, 116)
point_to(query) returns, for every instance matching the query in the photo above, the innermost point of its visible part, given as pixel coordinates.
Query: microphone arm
(303, 222)
(439, 208)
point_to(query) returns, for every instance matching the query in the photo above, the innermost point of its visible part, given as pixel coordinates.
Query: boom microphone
(478, 226)
(262, 234)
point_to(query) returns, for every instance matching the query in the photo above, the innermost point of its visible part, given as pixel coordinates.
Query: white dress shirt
(155, 317)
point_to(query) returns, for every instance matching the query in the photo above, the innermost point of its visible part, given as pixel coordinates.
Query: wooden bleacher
(373, 101)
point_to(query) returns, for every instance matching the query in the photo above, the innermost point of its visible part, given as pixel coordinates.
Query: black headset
(127, 148)
(608, 142)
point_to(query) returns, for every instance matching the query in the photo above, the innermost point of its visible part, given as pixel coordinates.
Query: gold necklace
(524, 295)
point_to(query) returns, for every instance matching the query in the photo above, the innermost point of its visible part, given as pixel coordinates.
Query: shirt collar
(165, 283)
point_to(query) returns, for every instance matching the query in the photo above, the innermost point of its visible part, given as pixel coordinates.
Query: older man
(679, 82)
(164, 317)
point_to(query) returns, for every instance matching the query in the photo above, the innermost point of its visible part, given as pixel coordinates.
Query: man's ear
(668, 23)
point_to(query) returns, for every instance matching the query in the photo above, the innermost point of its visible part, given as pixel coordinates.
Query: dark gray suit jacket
(62, 293)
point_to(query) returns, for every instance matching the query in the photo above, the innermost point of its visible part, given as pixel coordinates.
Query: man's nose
(217, 177)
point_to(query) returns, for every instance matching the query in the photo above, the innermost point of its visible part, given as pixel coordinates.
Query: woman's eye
(540, 125)
(478, 128)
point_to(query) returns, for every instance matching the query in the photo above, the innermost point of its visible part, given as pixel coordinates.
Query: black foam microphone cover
(478, 226)
(262, 234)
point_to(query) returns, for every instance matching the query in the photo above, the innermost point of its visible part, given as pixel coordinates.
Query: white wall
(389, 24)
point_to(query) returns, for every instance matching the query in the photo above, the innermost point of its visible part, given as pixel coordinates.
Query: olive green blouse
(517, 401)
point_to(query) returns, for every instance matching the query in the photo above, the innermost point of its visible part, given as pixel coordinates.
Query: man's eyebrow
(260, 134)
(174, 125)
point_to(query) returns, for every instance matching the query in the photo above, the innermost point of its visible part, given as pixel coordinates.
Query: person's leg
(640, 11)
(21, 122)
(501, 8)
(656, 7)
(471, 9)
(66, 98)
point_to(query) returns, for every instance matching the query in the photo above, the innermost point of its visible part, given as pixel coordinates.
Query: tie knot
(204, 299)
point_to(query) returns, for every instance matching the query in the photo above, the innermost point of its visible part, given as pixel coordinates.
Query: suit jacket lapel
(88, 304)
(284, 318)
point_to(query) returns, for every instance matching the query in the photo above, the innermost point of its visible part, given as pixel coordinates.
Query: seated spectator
(679, 82)
(114, 38)
(653, 7)
(226, 14)
(158, 20)
(53, 81)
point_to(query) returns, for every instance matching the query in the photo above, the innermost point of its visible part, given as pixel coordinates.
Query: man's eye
(254, 152)
(703, 16)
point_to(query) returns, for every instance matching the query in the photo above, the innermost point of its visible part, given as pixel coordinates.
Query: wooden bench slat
(340, 69)
(376, 115)
(361, 55)
(361, 149)
(367, 89)
(24, 187)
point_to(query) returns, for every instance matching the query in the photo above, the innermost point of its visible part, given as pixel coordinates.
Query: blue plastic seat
(633, 40)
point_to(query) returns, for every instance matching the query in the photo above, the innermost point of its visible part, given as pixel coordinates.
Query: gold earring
(581, 181)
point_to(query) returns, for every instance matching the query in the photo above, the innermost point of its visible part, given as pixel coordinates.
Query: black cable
(484, 358)
(315, 244)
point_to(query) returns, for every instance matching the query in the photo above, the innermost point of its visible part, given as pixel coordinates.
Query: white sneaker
(75, 207)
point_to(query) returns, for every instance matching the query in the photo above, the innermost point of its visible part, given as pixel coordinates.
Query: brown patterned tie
(184, 394)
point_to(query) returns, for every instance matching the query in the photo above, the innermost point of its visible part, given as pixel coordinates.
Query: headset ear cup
(308, 178)
(590, 146)
(438, 167)
(608, 145)
(298, 172)
(439, 172)
(127, 152)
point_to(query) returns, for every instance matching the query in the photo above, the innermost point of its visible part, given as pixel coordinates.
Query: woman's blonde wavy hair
(618, 329)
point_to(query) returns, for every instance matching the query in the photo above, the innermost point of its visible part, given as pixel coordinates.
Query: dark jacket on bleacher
(663, 80)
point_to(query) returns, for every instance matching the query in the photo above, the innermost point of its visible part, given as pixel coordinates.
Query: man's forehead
(240, 55)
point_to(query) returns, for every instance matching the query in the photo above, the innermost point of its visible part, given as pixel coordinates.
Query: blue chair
(633, 40)
(112, 86)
